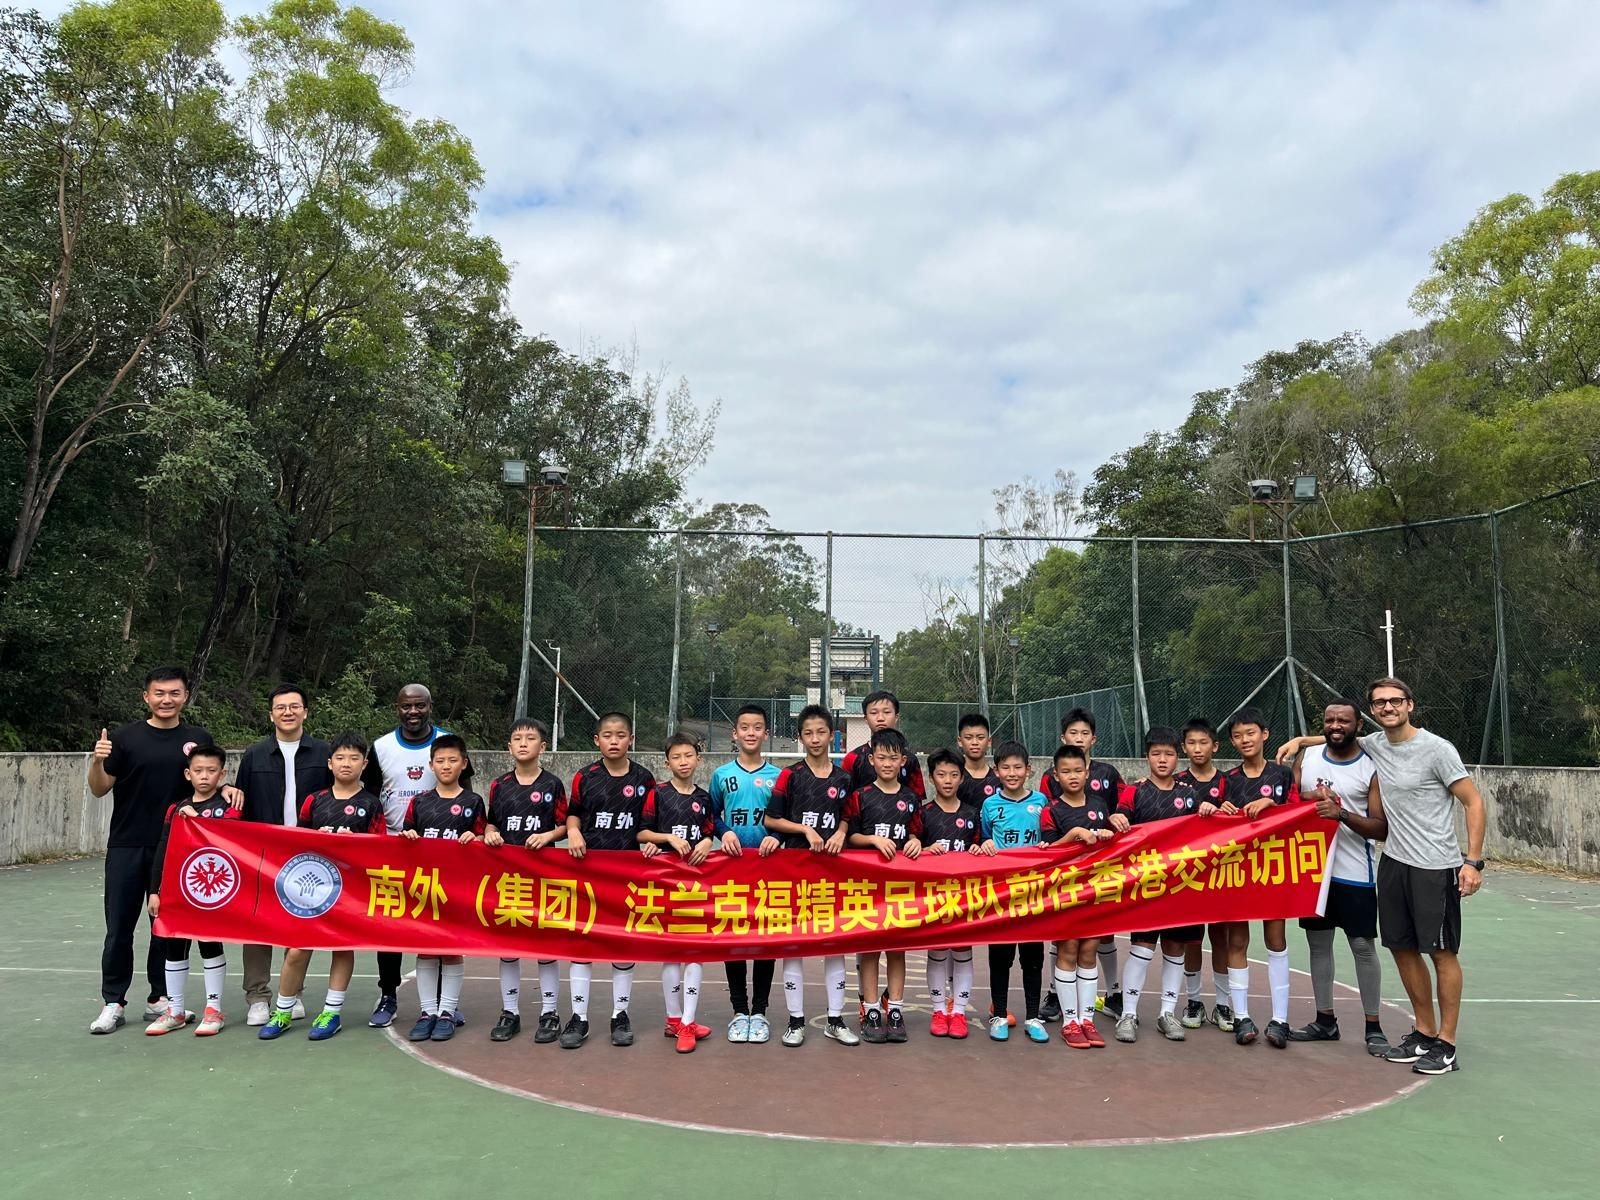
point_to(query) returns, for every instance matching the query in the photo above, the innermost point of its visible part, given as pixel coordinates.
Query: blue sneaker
(999, 1029)
(383, 1015)
(1034, 1028)
(423, 1029)
(444, 1028)
(324, 1027)
(277, 1025)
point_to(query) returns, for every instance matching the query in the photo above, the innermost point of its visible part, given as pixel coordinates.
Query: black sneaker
(1278, 1034)
(549, 1028)
(1377, 1043)
(1114, 1003)
(1439, 1060)
(1316, 1032)
(506, 1028)
(897, 1026)
(1244, 1031)
(1412, 1047)
(872, 1029)
(423, 1029)
(1050, 1010)
(575, 1034)
(621, 1031)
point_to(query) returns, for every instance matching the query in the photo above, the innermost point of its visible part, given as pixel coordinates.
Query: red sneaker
(940, 1025)
(1091, 1035)
(1075, 1036)
(674, 1027)
(700, 1031)
(687, 1039)
(958, 1025)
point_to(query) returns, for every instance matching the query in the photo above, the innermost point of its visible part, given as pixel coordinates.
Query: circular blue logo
(308, 885)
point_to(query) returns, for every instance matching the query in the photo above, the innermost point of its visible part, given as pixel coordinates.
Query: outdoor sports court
(128, 1115)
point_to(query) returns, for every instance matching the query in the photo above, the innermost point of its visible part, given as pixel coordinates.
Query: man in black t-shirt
(141, 764)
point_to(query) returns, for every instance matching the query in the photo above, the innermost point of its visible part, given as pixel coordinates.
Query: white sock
(216, 970)
(961, 977)
(794, 986)
(1171, 981)
(1278, 981)
(451, 976)
(511, 985)
(579, 982)
(833, 980)
(1108, 964)
(1191, 984)
(284, 1003)
(1088, 986)
(549, 984)
(1066, 990)
(334, 1001)
(1219, 987)
(1139, 958)
(177, 978)
(938, 975)
(428, 985)
(1050, 988)
(1239, 989)
(693, 973)
(672, 990)
(621, 988)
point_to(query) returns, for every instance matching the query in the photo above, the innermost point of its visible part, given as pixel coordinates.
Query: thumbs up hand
(102, 748)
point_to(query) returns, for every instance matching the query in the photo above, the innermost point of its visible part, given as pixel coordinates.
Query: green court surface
(132, 1116)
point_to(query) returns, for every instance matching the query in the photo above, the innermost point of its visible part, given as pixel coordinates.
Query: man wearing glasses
(275, 775)
(1423, 875)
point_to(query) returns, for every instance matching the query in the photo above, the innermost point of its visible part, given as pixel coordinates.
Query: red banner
(243, 882)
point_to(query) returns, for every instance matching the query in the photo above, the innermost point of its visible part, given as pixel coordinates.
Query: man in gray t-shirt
(1423, 874)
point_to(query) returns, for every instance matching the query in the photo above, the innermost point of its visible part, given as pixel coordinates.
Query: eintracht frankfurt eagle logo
(210, 878)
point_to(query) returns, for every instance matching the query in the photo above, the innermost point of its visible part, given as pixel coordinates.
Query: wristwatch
(1475, 863)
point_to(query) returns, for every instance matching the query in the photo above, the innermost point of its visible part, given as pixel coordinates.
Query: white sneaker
(1170, 1027)
(794, 1035)
(110, 1020)
(168, 1023)
(299, 1013)
(260, 1013)
(156, 1009)
(739, 1028)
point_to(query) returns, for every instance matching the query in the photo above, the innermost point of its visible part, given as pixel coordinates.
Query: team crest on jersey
(833, 793)
(1178, 804)
(988, 789)
(628, 791)
(961, 822)
(350, 810)
(210, 878)
(413, 772)
(308, 885)
(900, 804)
(695, 807)
(188, 748)
(1094, 785)
(1266, 789)
(455, 810)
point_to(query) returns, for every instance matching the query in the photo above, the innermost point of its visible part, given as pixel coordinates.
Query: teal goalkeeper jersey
(739, 800)
(1012, 824)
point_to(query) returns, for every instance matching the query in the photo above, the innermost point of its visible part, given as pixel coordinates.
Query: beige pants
(258, 974)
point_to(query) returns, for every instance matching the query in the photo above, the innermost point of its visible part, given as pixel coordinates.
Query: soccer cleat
(872, 1028)
(260, 1012)
(1244, 1031)
(1113, 1004)
(739, 1028)
(423, 1029)
(939, 1026)
(958, 1026)
(110, 1020)
(211, 1023)
(167, 1022)
(841, 1033)
(1096, 1042)
(1278, 1034)
(1194, 1015)
(621, 1030)
(155, 1009)
(1377, 1044)
(795, 1034)
(1439, 1060)
(1050, 1010)
(575, 1034)
(507, 1027)
(324, 1026)
(686, 1039)
(277, 1025)
(1072, 1033)
(760, 1028)
(549, 1028)
(1169, 1027)
(1128, 1028)
(444, 1028)
(1411, 1048)
(897, 1026)
(999, 1029)
(383, 1015)
(1314, 1032)
(1034, 1028)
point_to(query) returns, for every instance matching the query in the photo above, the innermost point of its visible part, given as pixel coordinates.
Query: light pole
(1015, 643)
(552, 479)
(712, 629)
(555, 716)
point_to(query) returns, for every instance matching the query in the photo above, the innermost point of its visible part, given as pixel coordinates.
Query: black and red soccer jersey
(800, 796)
(1210, 791)
(1061, 818)
(683, 815)
(893, 815)
(610, 808)
(1144, 802)
(447, 817)
(1105, 781)
(1275, 783)
(858, 765)
(216, 809)
(361, 813)
(975, 789)
(522, 810)
(953, 831)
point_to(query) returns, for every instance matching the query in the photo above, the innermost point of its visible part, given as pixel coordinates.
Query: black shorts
(1180, 933)
(1419, 908)
(1351, 907)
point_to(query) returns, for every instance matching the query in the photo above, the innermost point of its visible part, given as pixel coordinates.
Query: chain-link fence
(1495, 622)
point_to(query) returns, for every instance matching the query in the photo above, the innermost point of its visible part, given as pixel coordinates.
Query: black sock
(797, 1022)
(1327, 1020)
(831, 1021)
(1374, 1026)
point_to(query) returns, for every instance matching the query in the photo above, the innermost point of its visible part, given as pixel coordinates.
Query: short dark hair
(815, 712)
(533, 723)
(448, 741)
(287, 689)
(1200, 725)
(209, 750)
(1161, 735)
(681, 739)
(872, 698)
(1345, 702)
(971, 719)
(751, 710)
(889, 739)
(166, 675)
(1011, 749)
(1069, 752)
(614, 715)
(349, 740)
(1248, 716)
(1390, 681)
(944, 758)
(1074, 715)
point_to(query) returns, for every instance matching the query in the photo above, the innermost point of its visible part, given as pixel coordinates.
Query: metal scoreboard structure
(849, 659)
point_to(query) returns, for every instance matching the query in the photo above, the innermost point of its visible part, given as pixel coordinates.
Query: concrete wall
(1549, 816)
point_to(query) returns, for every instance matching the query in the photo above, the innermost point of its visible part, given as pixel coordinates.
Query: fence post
(1141, 710)
(677, 629)
(1297, 716)
(826, 698)
(1501, 665)
(983, 614)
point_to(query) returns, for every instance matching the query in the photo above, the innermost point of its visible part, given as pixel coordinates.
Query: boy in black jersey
(1200, 744)
(528, 808)
(204, 774)
(882, 711)
(451, 812)
(1253, 787)
(978, 780)
(887, 817)
(1073, 817)
(605, 811)
(804, 813)
(1158, 797)
(950, 825)
(345, 807)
